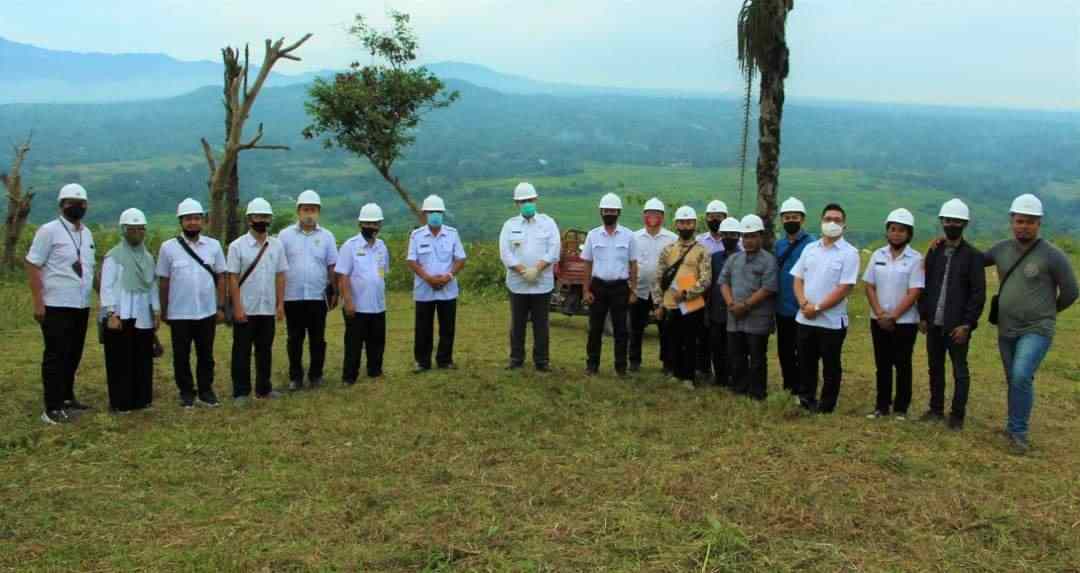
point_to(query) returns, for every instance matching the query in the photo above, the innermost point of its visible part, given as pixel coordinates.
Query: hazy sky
(1014, 53)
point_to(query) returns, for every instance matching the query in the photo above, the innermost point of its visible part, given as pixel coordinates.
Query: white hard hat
(72, 191)
(132, 217)
(653, 204)
(730, 225)
(752, 224)
(792, 205)
(433, 203)
(716, 206)
(1027, 204)
(685, 213)
(308, 197)
(370, 213)
(902, 216)
(189, 206)
(611, 201)
(259, 206)
(524, 191)
(955, 209)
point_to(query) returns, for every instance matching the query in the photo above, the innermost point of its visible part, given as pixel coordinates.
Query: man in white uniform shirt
(648, 241)
(436, 256)
(529, 248)
(361, 269)
(610, 257)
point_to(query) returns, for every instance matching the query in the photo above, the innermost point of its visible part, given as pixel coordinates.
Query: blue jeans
(1021, 357)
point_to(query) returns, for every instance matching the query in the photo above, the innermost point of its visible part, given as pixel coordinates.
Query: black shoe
(271, 395)
(956, 423)
(635, 366)
(620, 372)
(55, 417)
(543, 368)
(448, 366)
(375, 375)
(515, 366)
(667, 372)
(296, 385)
(209, 399)
(315, 383)
(348, 382)
(932, 416)
(75, 405)
(591, 371)
(187, 400)
(418, 369)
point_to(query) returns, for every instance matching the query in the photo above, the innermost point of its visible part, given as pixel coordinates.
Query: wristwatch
(817, 308)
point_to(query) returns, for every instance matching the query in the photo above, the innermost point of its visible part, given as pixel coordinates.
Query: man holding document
(682, 275)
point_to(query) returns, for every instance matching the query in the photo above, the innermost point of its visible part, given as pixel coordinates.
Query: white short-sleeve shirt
(192, 290)
(525, 242)
(309, 256)
(893, 277)
(56, 247)
(365, 264)
(436, 255)
(610, 253)
(822, 270)
(259, 291)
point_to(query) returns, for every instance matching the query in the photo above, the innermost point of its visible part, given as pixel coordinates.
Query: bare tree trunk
(771, 108)
(234, 226)
(403, 193)
(18, 208)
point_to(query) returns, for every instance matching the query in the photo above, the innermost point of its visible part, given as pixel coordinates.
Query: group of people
(716, 299)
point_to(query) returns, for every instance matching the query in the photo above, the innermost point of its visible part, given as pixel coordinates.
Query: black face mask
(954, 232)
(74, 212)
(260, 226)
(686, 234)
(792, 227)
(730, 245)
(610, 220)
(191, 234)
(368, 233)
(713, 224)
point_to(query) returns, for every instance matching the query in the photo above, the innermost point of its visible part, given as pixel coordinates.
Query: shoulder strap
(791, 249)
(191, 253)
(255, 263)
(1017, 264)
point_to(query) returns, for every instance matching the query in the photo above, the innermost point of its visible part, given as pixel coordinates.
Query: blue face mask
(528, 210)
(435, 219)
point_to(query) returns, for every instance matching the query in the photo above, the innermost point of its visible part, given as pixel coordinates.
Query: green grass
(484, 470)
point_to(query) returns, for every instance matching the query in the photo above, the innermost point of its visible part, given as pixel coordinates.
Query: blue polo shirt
(786, 305)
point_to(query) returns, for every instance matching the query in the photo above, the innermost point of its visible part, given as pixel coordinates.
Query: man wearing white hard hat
(256, 266)
(731, 233)
(1038, 283)
(310, 289)
(131, 310)
(788, 250)
(529, 246)
(749, 282)
(361, 270)
(60, 269)
(610, 256)
(648, 241)
(894, 280)
(682, 277)
(716, 212)
(436, 256)
(949, 311)
(190, 270)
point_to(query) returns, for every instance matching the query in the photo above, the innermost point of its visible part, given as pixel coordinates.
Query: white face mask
(832, 230)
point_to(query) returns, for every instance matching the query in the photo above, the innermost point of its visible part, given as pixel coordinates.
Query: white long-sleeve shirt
(128, 305)
(526, 242)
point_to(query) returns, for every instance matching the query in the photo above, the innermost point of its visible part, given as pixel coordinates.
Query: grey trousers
(525, 308)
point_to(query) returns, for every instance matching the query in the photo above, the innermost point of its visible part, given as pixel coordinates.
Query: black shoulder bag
(993, 318)
(669, 273)
(243, 277)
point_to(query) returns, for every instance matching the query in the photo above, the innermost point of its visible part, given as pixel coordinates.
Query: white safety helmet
(792, 205)
(653, 204)
(524, 191)
(902, 216)
(259, 206)
(433, 203)
(370, 213)
(189, 206)
(955, 209)
(611, 201)
(132, 217)
(308, 197)
(685, 213)
(716, 206)
(752, 224)
(730, 225)
(1027, 204)
(72, 191)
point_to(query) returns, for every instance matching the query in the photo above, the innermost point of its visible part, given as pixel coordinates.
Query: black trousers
(640, 312)
(257, 332)
(892, 351)
(525, 308)
(608, 297)
(129, 366)
(425, 326)
(64, 331)
(364, 330)
(938, 344)
(718, 352)
(787, 346)
(747, 359)
(306, 318)
(823, 345)
(703, 350)
(683, 332)
(201, 333)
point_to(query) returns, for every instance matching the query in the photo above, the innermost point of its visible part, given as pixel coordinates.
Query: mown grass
(485, 470)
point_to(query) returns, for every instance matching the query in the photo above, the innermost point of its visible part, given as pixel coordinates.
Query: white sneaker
(688, 384)
(901, 417)
(874, 416)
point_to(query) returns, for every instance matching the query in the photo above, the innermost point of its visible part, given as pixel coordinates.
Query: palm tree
(763, 51)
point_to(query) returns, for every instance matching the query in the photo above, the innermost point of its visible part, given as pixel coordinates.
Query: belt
(611, 283)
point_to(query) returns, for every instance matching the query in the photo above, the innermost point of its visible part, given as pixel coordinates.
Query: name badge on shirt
(423, 248)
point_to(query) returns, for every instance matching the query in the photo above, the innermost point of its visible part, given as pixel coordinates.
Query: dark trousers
(608, 297)
(787, 346)
(424, 327)
(703, 350)
(306, 318)
(201, 333)
(64, 331)
(938, 343)
(640, 312)
(892, 351)
(364, 330)
(257, 332)
(525, 308)
(748, 363)
(824, 345)
(129, 366)
(718, 351)
(683, 332)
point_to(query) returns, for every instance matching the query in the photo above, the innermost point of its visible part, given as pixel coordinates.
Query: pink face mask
(653, 220)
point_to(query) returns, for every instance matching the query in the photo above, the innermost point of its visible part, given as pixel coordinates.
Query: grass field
(484, 470)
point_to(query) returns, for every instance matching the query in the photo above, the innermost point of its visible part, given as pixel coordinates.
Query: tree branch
(209, 152)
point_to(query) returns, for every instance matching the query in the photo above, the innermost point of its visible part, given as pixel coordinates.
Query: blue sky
(1006, 53)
